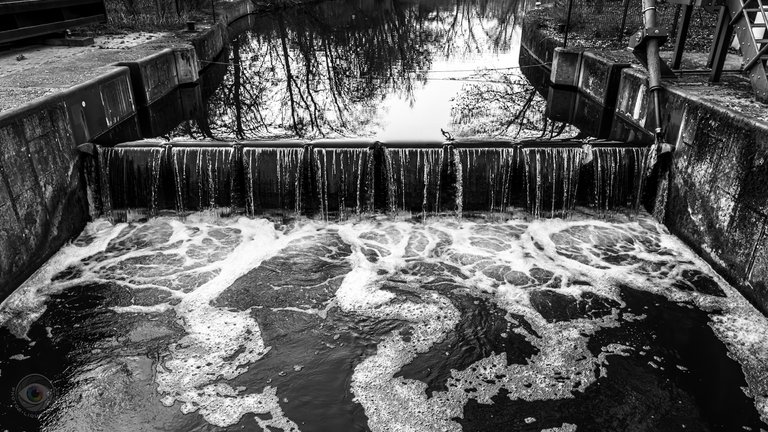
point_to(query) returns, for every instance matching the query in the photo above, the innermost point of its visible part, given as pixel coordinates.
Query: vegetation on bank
(597, 23)
(165, 15)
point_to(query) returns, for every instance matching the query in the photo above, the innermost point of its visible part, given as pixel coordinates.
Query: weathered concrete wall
(715, 195)
(43, 198)
(537, 42)
(585, 85)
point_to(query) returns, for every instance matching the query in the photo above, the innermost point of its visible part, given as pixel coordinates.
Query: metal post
(624, 20)
(213, 13)
(682, 35)
(567, 23)
(720, 44)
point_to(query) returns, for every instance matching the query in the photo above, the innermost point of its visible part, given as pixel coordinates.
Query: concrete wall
(43, 197)
(715, 194)
(712, 191)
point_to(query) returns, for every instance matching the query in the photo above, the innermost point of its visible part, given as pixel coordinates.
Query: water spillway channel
(336, 179)
(362, 220)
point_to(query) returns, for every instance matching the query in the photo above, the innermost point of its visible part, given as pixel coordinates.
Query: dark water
(225, 324)
(378, 322)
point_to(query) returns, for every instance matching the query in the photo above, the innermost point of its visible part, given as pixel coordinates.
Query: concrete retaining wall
(714, 194)
(43, 198)
(711, 191)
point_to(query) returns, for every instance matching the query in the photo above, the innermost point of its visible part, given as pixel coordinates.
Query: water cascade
(344, 181)
(204, 178)
(339, 180)
(552, 179)
(487, 178)
(415, 179)
(129, 178)
(273, 179)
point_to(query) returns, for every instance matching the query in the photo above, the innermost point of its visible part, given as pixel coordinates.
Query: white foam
(202, 256)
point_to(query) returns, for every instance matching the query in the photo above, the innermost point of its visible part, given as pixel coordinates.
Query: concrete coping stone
(638, 73)
(58, 97)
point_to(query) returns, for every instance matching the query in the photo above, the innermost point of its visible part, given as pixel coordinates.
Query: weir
(336, 179)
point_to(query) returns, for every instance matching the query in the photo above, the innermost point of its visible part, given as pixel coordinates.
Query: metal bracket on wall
(639, 45)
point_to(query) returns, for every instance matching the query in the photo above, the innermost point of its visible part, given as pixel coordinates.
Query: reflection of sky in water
(388, 70)
(433, 102)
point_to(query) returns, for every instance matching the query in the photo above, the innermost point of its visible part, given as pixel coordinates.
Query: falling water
(552, 180)
(344, 180)
(203, 178)
(619, 174)
(273, 179)
(486, 177)
(339, 182)
(129, 180)
(414, 179)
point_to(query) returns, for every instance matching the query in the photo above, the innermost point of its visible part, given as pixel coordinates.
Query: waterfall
(618, 177)
(129, 180)
(273, 179)
(552, 180)
(485, 178)
(203, 178)
(344, 181)
(336, 182)
(415, 179)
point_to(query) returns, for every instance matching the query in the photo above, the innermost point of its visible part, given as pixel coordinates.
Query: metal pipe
(654, 63)
(624, 19)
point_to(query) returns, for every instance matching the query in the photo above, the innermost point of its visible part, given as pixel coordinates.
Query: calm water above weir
(384, 69)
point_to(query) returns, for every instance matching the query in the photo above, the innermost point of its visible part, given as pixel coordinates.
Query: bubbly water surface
(385, 324)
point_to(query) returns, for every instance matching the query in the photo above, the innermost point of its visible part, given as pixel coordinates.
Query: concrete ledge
(98, 105)
(538, 43)
(566, 67)
(42, 196)
(599, 78)
(233, 10)
(157, 75)
(209, 44)
(715, 195)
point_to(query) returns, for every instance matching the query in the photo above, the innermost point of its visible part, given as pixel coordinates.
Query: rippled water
(385, 324)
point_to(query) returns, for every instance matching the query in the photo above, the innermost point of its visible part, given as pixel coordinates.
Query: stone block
(599, 78)
(118, 98)
(97, 105)
(632, 98)
(187, 65)
(210, 43)
(153, 76)
(566, 67)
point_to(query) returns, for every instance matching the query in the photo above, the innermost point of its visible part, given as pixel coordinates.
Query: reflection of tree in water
(325, 70)
(478, 26)
(499, 103)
